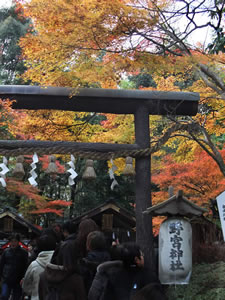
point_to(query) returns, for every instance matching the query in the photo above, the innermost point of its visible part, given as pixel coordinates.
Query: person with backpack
(63, 281)
(46, 246)
(121, 279)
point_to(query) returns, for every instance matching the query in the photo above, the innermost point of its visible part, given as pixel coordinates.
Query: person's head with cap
(14, 240)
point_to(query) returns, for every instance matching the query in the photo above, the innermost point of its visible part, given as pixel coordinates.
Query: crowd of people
(70, 265)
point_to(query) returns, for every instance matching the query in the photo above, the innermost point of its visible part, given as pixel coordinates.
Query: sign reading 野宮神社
(221, 208)
(175, 251)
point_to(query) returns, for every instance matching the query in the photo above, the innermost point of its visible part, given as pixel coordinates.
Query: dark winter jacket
(68, 286)
(115, 282)
(64, 252)
(89, 264)
(98, 256)
(13, 265)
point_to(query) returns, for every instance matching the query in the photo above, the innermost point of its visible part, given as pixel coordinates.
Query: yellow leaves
(91, 42)
(166, 84)
(211, 112)
(116, 129)
(57, 126)
(68, 30)
(119, 163)
(185, 150)
(163, 66)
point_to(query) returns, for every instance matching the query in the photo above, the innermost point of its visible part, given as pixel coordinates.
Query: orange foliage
(156, 222)
(45, 162)
(56, 125)
(8, 118)
(200, 179)
(33, 202)
(72, 37)
(25, 189)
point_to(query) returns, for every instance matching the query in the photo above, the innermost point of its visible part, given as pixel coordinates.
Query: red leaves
(200, 179)
(35, 203)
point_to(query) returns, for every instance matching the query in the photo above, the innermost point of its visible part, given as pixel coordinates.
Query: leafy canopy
(71, 39)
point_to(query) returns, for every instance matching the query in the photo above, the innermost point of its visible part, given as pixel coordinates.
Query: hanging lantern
(129, 169)
(89, 172)
(52, 168)
(18, 171)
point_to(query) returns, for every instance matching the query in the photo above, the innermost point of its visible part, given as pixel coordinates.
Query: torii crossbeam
(139, 103)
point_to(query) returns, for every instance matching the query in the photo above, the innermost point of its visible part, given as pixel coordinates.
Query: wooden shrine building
(11, 222)
(115, 221)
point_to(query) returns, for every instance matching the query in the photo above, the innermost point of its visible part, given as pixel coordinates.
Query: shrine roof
(176, 205)
(122, 217)
(19, 219)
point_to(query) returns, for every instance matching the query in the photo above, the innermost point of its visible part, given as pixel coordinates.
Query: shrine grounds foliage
(208, 258)
(207, 283)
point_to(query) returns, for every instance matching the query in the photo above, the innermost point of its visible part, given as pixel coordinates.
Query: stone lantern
(175, 238)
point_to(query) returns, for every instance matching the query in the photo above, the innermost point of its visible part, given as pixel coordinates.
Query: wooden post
(143, 186)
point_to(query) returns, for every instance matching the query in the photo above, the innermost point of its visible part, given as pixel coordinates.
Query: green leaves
(12, 27)
(218, 43)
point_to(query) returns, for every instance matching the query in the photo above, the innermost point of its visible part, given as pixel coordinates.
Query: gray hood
(44, 258)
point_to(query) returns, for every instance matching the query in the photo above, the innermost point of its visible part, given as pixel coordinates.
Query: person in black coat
(64, 250)
(97, 254)
(121, 279)
(13, 265)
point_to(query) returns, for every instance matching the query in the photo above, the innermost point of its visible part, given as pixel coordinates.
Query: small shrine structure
(177, 205)
(11, 222)
(115, 221)
(175, 238)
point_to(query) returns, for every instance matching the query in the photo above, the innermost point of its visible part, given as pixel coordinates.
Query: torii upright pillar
(143, 185)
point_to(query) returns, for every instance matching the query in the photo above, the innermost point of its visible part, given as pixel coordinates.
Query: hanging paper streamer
(32, 179)
(72, 171)
(111, 174)
(3, 171)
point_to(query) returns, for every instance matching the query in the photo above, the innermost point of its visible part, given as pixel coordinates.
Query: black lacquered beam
(101, 100)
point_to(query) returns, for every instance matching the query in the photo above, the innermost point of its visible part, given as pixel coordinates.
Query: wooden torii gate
(139, 103)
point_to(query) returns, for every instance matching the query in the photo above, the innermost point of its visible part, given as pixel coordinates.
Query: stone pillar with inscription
(175, 238)
(175, 251)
